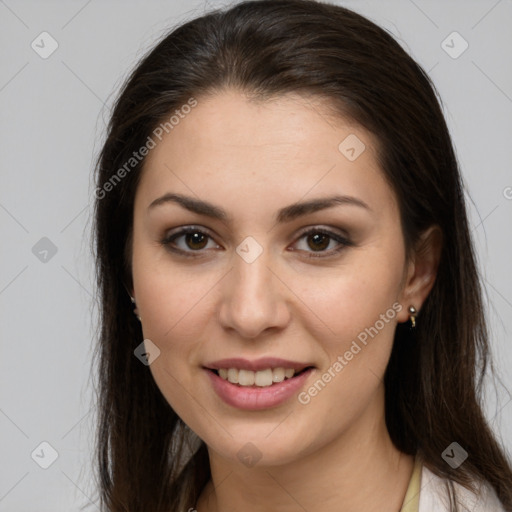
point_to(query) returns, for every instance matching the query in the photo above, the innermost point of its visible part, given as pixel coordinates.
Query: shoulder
(434, 496)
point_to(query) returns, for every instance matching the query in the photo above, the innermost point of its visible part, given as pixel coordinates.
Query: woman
(279, 202)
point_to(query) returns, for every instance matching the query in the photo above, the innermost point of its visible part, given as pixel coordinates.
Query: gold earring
(412, 317)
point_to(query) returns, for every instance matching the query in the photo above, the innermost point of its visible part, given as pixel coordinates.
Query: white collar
(434, 496)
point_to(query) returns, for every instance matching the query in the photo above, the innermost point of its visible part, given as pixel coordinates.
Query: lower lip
(257, 398)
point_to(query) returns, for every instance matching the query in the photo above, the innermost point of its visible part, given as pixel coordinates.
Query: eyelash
(343, 242)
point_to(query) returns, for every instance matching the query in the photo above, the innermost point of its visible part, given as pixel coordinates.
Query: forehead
(229, 147)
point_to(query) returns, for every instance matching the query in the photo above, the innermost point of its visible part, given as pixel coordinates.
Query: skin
(252, 159)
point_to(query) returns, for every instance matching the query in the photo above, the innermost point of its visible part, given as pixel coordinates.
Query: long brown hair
(272, 47)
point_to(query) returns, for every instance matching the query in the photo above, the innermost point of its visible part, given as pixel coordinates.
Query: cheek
(176, 312)
(175, 307)
(358, 308)
(175, 304)
(359, 315)
(169, 296)
(351, 298)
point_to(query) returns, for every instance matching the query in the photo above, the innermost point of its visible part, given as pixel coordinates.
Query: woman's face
(294, 260)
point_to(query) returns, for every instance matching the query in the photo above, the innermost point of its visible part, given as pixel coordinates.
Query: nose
(254, 299)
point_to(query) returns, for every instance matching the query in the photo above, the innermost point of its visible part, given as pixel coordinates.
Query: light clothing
(434, 496)
(412, 496)
(428, 493)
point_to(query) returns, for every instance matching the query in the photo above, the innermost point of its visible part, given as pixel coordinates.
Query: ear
(421, 271)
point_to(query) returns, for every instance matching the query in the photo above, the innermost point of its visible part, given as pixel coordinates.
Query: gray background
(53, 114)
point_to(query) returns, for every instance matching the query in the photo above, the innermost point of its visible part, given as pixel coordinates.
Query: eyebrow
(286, 214)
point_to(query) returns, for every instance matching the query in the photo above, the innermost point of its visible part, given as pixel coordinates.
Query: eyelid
(172, 235)
(343, 241)
(320, 228)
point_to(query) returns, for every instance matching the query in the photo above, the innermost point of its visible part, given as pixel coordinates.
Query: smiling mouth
(258, 379)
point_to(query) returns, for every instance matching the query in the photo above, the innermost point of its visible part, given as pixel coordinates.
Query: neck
(360, 470)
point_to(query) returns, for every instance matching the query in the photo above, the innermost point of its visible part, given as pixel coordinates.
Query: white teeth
(261, 378)
(245, 378)
(233, 375)
(278, 374)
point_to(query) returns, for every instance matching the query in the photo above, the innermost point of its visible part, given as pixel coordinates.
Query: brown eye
(196, 240)
(318, 241)
(189, 240)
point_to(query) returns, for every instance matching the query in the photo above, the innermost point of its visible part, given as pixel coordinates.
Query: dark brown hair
(268, 48)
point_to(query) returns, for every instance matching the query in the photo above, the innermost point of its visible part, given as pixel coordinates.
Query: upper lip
(256, 364)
